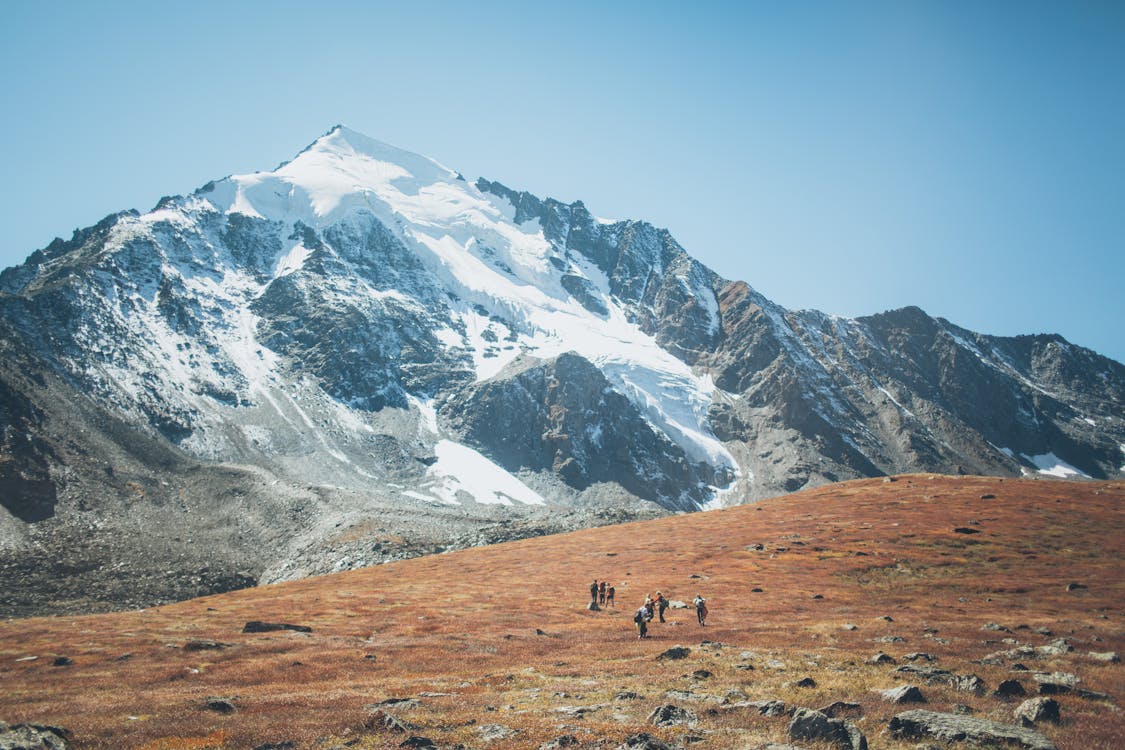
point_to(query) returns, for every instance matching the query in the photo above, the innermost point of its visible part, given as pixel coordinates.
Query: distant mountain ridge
(361, 355)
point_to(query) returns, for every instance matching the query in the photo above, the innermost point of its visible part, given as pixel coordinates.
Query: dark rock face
(562, 416)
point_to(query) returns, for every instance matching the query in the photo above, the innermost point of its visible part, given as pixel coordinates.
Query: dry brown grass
(462, 627)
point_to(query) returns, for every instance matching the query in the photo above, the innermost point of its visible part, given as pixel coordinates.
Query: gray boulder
(1032, 711)
(1054, 683)
(676, 652)
(31, 737)
(902, 694)
(919, 724)
(808, 724)
(670, 715)
(643, 741)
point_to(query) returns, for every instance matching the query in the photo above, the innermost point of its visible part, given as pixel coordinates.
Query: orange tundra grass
(500, 635)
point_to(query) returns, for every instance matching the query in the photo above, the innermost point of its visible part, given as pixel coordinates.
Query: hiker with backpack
(700, 609)
(641, 618)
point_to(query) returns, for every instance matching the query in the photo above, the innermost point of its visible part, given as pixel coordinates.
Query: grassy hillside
(494, 647)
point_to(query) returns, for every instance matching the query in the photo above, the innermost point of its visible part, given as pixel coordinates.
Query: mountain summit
(361, 355)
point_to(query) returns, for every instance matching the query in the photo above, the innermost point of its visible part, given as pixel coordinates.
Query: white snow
(1051, 465)
(459, 468)
(469, 241)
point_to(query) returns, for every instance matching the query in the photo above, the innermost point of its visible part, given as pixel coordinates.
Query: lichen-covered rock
(919, 724)
(808, 724)
(1034, 710)
(32, 737)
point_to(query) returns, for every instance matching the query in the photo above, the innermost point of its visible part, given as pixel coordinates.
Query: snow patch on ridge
(460, 469)
(1051, 465)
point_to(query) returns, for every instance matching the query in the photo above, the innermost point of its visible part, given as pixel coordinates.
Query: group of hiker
(602, 594)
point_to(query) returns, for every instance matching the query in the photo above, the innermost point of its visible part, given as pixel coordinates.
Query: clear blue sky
(967, 157)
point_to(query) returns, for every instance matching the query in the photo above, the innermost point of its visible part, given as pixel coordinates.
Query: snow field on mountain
(468, 240)
(459, 469)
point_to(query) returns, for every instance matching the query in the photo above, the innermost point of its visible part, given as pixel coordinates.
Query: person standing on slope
(661, 605)
(609, 594)
(700, 609)
(594, 592)
(601, 593)
(641, 618)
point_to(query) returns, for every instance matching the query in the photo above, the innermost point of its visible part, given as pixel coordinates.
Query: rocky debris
(919, 656)
(1093, 695)
(966, 530)
(838, 708)
(627, 695)
(889, 639)
(1057, 647)
(423, 743)
(283, 745)
(1054, 683)
(492, 732)
(676, 652)
(32, 737)
(1076, 586)
(643, 741)
(850, 626)
(881, 658)
(403, 703)
(996, 627)
(681, 695)
(220, 704)
(566, 740)
(257, 626)
(204, 644)
(966, 682)
(1107, 657)
(918, 724)
(670, 715)
(575, 712)
(380, 719)
(1009, 689)
(62, 661)
(733, 695)
(1034, 710)
(770, 708)
(805, 682)
(902, 694)
(677, 604)
(808, 724)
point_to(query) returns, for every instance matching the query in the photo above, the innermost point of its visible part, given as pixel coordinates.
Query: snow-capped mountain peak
(376, 338)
